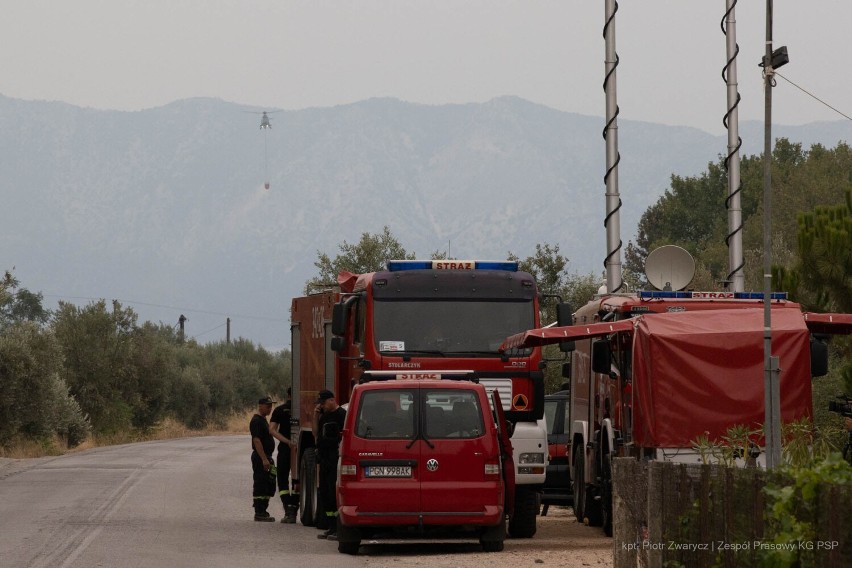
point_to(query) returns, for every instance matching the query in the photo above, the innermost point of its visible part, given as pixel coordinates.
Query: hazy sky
(130, 55)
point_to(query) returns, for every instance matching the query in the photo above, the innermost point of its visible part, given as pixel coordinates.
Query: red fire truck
(654, 371)
(417, 317)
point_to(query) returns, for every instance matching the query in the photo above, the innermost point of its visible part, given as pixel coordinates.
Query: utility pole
(772, 371)
(181, 321)
(228, 331)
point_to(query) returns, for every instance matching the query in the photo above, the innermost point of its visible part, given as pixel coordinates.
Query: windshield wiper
(417, 352)
(420, 436)
(474, 352)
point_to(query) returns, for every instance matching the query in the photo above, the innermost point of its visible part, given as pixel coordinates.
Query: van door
(384, 444)
(454, 452)
(506, 454)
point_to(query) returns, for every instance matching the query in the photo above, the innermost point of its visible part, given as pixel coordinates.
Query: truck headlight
(531, 458)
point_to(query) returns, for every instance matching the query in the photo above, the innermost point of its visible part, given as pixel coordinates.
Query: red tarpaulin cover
(704, 371)
(829, 323)
(549, 335)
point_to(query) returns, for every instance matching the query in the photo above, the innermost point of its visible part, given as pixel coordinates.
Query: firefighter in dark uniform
(279, 427)
(327, 424)
(263, 471)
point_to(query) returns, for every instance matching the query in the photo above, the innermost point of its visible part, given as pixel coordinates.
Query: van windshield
(459, 327)
(452, 414)
(395, 414)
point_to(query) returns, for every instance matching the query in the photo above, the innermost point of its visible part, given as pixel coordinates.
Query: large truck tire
(592, 508)
(522, 523)
(308, 489)
(606, 495)
(579, 483)
(321, 520)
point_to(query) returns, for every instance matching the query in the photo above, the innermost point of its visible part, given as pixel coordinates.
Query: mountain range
(165, 209)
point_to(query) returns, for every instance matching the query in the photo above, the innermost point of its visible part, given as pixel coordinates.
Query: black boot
(331, 533)
(260, 513)
(289, 514)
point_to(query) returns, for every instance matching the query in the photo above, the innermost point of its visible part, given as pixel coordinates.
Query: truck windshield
(449, 327)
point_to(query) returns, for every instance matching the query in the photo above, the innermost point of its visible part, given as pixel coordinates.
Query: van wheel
(522, 523)
(308, 489)
(348, 539)
(348, 547)
(492, 538)
(579, 483)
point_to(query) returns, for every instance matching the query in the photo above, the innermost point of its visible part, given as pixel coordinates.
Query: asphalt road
(169, 503)
(187, 503)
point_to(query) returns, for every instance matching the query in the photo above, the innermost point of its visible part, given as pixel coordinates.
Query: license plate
(388, 471)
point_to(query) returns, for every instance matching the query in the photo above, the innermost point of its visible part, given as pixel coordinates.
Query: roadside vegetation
(93, 374)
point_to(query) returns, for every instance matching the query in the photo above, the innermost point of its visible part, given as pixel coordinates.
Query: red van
(420, 452)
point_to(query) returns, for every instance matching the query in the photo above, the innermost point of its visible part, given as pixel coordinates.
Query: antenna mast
(612, 263)
(734, 240)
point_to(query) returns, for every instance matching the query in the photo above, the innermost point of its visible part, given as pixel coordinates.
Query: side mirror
(601, 357)
(510, 428)
(819, 357)
(564, 316)
(339, 318)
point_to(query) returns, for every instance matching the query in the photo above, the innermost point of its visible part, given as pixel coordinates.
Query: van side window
(386, 414)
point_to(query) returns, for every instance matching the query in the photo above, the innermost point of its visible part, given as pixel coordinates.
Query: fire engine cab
(419, 452)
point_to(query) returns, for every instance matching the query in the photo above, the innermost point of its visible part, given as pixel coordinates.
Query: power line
(180, 309)
(197, 335)
(813, 96)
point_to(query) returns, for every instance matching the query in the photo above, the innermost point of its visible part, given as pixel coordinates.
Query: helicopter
(265, 121)
(265, 124)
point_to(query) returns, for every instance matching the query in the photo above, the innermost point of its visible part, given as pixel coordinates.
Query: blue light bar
(759, 295)
(647, 294)
(507, 265)
(398, 265)
(395, 265)
(695, 295)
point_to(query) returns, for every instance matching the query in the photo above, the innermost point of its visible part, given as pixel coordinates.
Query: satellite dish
(669, 268)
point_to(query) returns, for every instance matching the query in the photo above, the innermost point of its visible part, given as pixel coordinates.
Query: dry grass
(22, 449)
(169, 428)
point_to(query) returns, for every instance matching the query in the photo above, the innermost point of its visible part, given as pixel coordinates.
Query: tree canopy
(369, 254)
(691, 213)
